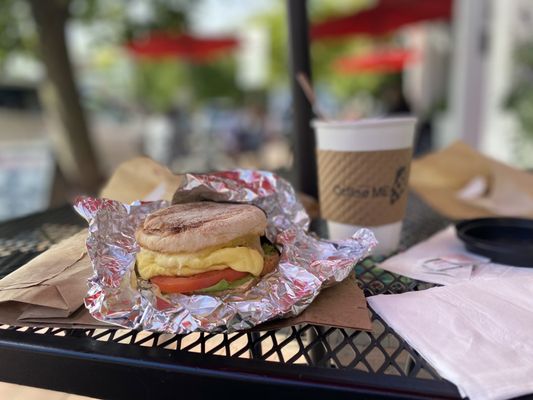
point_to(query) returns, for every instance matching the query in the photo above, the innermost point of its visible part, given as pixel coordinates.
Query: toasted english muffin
(191, 227)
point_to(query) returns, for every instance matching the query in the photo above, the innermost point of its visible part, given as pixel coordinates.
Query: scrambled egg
(243, 259)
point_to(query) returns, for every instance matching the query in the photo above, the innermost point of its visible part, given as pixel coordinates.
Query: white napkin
(445, 245)
(477, 334)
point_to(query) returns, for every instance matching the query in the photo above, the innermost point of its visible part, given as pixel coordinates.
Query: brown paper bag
(141, 179)
(49, 290)
(439, 178)
(341, 306)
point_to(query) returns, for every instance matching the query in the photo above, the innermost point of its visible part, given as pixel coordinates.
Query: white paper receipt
(456, 265)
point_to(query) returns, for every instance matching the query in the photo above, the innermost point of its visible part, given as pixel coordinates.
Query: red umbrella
(165, 45)
(385, 17)
(390, 60)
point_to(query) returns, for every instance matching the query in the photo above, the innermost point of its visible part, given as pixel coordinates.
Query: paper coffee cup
(363, 174)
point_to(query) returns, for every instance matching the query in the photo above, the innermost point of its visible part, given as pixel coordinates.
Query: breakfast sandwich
(204, 247)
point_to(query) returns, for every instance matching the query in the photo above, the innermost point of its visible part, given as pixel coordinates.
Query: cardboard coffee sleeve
(366, 188)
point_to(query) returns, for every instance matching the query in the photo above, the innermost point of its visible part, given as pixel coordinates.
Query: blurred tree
(323, 53)
(520, 98)
(19, 34)
(215, 79)
(135, 18)
(162, 83)
(157, 81)
(74, 153)
(275, 22)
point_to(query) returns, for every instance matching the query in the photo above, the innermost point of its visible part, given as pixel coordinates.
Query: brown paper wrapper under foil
(367, 188)
(49, 290)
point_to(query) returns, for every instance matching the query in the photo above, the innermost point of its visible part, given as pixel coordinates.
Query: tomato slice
(185, 284)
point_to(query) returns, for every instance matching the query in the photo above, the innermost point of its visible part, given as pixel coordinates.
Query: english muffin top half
(191, 227)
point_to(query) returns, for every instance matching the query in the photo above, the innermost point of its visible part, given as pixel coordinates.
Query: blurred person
(360, 106)
(179, 140)
(394, 103)
(224, 123)
(157, 138)
(251, 132)
(392, 99)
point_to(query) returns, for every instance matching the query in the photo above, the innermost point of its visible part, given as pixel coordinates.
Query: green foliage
(323, 53)
(520, 99)
(166, 15)
(17, 30)
(320, 10)
(344, 86)
(214, 79)
(157, 83)
(275, 22)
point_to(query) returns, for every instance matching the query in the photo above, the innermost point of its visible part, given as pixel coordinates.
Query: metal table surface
(305, 360)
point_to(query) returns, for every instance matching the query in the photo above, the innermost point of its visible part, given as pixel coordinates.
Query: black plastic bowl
(503, 240)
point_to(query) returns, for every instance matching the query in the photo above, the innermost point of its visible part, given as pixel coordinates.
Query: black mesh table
(301, 361)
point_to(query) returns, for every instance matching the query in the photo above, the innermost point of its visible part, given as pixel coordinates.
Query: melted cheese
(242, 259)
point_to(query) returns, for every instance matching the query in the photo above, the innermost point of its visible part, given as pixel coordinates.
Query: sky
(225, 16)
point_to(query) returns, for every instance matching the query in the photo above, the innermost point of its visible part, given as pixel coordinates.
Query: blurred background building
(203, 85)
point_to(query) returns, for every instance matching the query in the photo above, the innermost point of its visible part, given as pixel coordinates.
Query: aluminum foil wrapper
(308, 264)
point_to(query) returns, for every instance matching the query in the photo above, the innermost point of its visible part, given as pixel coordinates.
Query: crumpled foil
(308, 264)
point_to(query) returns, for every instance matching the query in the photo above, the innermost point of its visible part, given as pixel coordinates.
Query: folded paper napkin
(443, 259)
(476, 334)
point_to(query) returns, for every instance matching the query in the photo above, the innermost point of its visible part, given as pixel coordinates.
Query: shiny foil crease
(308, 264)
